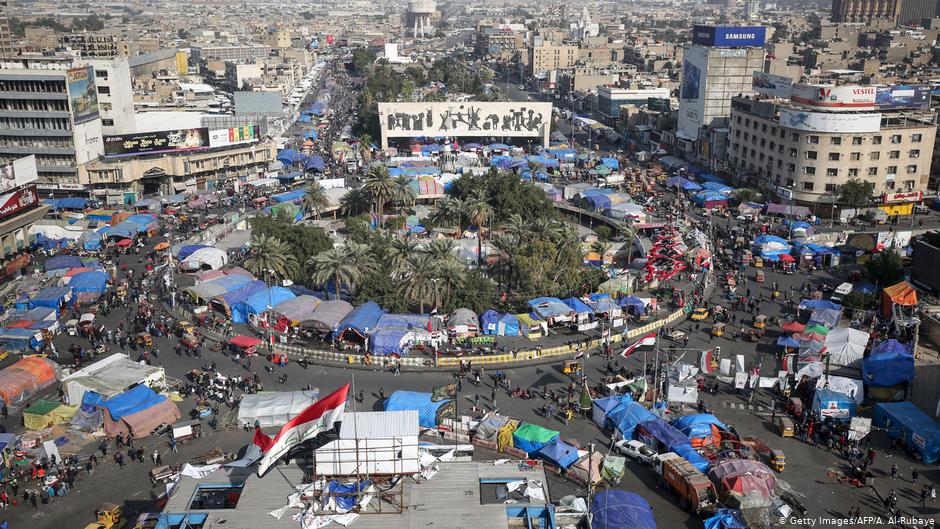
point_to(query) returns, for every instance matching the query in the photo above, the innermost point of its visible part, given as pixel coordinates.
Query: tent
(54, 297)
(889, 364)
(110, 376)
(846, 346)
(89, 286)
(901, 294)
(211, 258)
(429, 412)
(703, 429)
(827, 317)
(559, 453)
(620, 509)
(90, 241)
(831, 403)
(659, 435)
(266, 410)
(626, 416)
(726, 519)
(259, 302)
(299, 309)
(530, 438)
(580, 308)
(813, 304)
(361, 321)
(62, 261)
(136, 411)
(508, 325)
(600, 407)
(551, 309)
(744, 483)
(693, 457)
(185, 251)
(226, 302)
(489, 321)
(218, 287)
(315, 163)
(392, 332)
(329, 314)
(27, 377)
(906, 421)
(46, 414)
(463, 321)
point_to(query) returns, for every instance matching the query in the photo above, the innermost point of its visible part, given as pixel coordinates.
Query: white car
(636, 450)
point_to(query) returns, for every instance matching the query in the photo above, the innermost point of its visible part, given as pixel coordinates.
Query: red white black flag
(646, 342)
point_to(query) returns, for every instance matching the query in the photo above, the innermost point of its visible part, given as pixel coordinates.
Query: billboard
(906, 96)
(468, 119)
(772, 85)
(18, 173)
(156, 142)
(658, 104)
(823, 122)
(15, 201)
(233, 136)
(834, 98)
(729, 35)
(692, 92)
(896, 198)
(83, 95)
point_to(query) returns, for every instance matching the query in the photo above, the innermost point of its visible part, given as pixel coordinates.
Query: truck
(696, 492)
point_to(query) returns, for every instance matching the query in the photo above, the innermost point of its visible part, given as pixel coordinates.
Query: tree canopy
(856, 193)
(301, 241)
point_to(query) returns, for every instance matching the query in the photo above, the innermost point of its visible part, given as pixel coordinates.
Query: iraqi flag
(705, 361)
(645, 343)
(317, 418)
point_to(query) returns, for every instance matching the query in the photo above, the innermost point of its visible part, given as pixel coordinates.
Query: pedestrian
(914, 474)
(119, 459)
(173, 446)
(894, 471)
(924, 493)
(361, 397)
(32, 500)
(382, 393)
(476, 401)
(140, 455)
(154, 456)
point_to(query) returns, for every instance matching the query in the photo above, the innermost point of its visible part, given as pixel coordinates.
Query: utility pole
(590, 481)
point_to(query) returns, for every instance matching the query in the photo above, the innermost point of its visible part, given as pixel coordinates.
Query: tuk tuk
(570, 366)
(794, 406)
(759, 277)
(758, 262)
(184, 327)
(785, 426)
(760, 321)
(189, 341)
(778, 460)
(144, 339)
(71, 327)
(718, 329)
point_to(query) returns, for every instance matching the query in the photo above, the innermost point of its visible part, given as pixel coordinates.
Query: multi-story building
(230, 53)
(865, 11)
(804, 149)
(6, 36)
(719, 65)
(914, 11)
(51, 110)
(277, 38)
(549, 56)
(115, 94)
(610, 99)
(91, 45)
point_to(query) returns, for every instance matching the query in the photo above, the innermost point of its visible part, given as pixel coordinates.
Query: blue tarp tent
(578, 306)
(764, 239)
(889, 364)
(345, 494)
(813, 304)
(619, 509)
(611, 162)
(290, 196)
(413, 400)
(52, 297)
(508, 325)
(691, 186)
(599, 201)
(692, 457)
(830, 403)
(37, 314)
(361, 320)
(726, 519)
(787, 341)
(189, 249)
(676, 181)
(314, 163)
(142, 220)
(489, 321)
(633, 304)
(709, 178)
(89, 285)
(706, 198)
(259, 302)
(601, 407)
(718, 187)
(76, 203)
(288, 156)
(235, 296)
(905, 420)
(547, 307)
(63, 262)
(390, 331)
(658, 433)
(626, 416)
(130, 402)
(124, 230)
(47, 243)
(90, 241)
(559, 453)
(20, 339)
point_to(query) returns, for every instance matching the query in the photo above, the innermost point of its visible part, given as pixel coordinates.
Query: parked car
(636, 450)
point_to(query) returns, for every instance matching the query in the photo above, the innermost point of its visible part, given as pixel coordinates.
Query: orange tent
(25, 378)
(901, 294)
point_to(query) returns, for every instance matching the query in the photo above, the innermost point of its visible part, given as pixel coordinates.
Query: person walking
(154, 456)
(924, 493)
(914, 475)
(174, 446)
(894, 471)
(382, 393)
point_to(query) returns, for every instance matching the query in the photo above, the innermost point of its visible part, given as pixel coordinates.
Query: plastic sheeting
(657, 433)
(560, 453)
(704, 429)
(25, 378)
(726, 519)
(905, 420)
(46, 414)
(626, 416)
(259, 302)
(129, 402)
(619, 509)
(693, 457)
(237, 295)
(890, 363)
(88, 286)
(462, 321)
(142, 423)
(329, 314)
(62, 261)
(420, 402)
(546, 308)
(274, 409)
(213, 258)
(744, 483)
(831, 403)
(189, 249)
(360, 321)
(218, 287)
(299, 309)
(600, 407)
(392, 332)
(532, 437)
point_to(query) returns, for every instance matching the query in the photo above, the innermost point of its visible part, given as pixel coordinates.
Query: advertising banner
(156, 142)
(21, 199)
(18, 173)
(834, 98)
(233, 136)
(692, 93)
(894, 198)
(898, 97)
(729, 35)
(83, 95)
(518, 119)
(772, 85)
(821, 122)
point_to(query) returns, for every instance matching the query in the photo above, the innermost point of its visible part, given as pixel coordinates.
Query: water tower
(419, 16)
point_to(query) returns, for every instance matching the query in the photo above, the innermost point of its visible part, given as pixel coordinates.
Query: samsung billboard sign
(729, 35)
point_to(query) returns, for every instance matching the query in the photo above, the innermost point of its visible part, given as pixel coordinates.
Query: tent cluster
(135, 412)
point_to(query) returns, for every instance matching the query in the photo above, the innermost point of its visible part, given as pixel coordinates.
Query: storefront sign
(408, 120)
(156, 142)
(12, 203)
(892, 198)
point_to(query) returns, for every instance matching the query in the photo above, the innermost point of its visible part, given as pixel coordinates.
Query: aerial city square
(497, 265)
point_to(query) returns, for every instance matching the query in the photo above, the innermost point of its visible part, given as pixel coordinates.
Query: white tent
(214, 258)
(846, 346)
(847, 386)
(274, 409)
(847, 335)
(110, 376)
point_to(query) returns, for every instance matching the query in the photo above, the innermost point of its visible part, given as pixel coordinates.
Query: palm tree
(478, 210)
(535, 168)
(417, 282)
(507, 246)
(334, 265)
(362, 256)
(365, 147)
(404, 195)
(449, 275)
(380, 186)
(515, 227)
(270, 255)
(442, 249)
(314, 199)
(354, 202)
(628, 231)
(401, 249)
(448, 209)
(600, 248)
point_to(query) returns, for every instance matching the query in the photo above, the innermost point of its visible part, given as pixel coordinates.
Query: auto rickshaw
(144, 340)
(760, 322)
(699, 314)
(785, 426)
(718, 329)
(778, 461)
(794, 406)
(570, 366)
(758, 262)
(184, 327)
(189, 341)
(279, 359)
(759, 277)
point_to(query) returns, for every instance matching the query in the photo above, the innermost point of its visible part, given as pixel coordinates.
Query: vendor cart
(187, 430)
(163, 474)
(189, 341)
(71, 327)
(212, 457)
(677, 335)
(759, 276)
(785, 426)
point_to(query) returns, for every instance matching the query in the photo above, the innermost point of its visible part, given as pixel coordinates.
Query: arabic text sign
(409, 120)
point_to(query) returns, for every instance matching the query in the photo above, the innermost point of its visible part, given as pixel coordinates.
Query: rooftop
(379, 424)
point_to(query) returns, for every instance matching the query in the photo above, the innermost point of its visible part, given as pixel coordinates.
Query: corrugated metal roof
(379, 424)
(159, 55)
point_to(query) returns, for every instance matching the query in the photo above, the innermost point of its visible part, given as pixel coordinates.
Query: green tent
(613, 467)
(816, 328)
(532, 437)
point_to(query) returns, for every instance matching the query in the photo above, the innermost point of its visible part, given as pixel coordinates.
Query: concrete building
(914, 11)
(115, 95)
(549, 56)
(6, 36)
(419, 16)
(20, 208)
(245, 52)
(236, 74)
(163, 61)
(807, 154)
(91, 45)
(277, 38)
(610, 99)
(39, 115)
(866, 11)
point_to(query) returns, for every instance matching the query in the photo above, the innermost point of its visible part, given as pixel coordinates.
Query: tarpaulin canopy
(143, 423)
(27, 377)
(212, 258)
(834, 404)
(813, 304)
(726, 519)
(53, 297)
(129, 402)
(315, 163)
(289, 196)
(744, 483)
(274, 409)
(46, 414)
(360, 321)
(428, 410)
(788, 341)
(905, 420)
(288, 156)
(329, 314)
(189, 249)
(219, 286)
(626, 416)
(259, 302)
(63, 261)
(704, 429)
(530, 438)
(890, 363)
(901, 294)
(237, 295)
(76, 203)
(299, 309)
(546, 307)
(600, 407)
(560, 453)
(828, 317)
(578, 306)
(619, 509)
(658, 433)
(693, 457)
(462, 321)
(392, 331)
